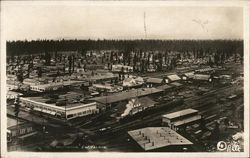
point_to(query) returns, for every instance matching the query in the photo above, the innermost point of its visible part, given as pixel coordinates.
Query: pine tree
(70, 63)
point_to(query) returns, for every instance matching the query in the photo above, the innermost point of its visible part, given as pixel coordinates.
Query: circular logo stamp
(221, 146)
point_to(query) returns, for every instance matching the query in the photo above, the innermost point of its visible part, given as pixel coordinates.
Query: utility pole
(65, 109)
(17, 110)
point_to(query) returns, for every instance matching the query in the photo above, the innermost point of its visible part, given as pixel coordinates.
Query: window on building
(13, 133)
(29, 129)
(22, 131)
(70, 115)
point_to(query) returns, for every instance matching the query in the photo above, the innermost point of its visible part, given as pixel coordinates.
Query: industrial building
(19, 129)
(152, 82)
(102, 77)
(172, 78)
(13, 95)
(132, 82)
(67, 111)
(107, 87)
(188, 75)
(159, 139)
(120, 68)
(202, 78)
(182, 118)
(126, 95)
(54, 86)
(137, 105)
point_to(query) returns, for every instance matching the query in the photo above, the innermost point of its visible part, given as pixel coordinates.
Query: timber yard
(131, 98)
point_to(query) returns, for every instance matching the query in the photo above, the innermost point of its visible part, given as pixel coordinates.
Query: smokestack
(153, 143)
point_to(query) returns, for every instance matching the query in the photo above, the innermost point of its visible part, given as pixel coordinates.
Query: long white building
(54, 86)
(69, 111)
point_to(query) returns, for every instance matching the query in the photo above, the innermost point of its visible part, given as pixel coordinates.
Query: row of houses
(152, 82)
(206, 75)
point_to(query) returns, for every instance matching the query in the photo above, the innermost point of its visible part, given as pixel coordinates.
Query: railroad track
(198, 102)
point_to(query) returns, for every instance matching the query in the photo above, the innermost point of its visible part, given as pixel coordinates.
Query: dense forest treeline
(42, 46)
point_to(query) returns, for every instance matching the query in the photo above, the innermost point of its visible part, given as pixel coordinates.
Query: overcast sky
(122, 22)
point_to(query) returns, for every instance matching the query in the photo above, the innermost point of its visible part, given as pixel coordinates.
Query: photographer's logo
(233, 146)
(221, 146)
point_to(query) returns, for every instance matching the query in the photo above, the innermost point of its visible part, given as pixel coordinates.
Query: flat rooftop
(13, 122)
(151, 138)
(179, 113)
(64, 83)
(126, 95)
(44, 100)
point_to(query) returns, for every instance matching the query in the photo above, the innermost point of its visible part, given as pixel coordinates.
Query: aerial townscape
(124, 95)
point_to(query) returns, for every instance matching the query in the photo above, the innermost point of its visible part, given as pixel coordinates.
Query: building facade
(64, 112)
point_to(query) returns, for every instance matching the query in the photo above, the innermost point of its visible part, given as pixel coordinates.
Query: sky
(33, 22)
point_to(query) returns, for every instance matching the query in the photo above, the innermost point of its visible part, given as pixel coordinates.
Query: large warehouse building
(181, 118)
(159, 139)
(68, 111)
